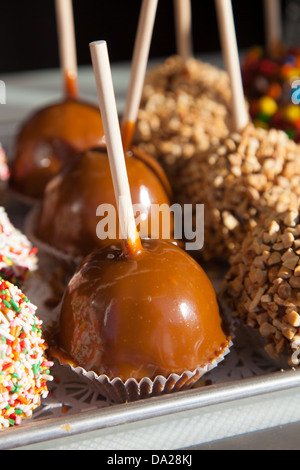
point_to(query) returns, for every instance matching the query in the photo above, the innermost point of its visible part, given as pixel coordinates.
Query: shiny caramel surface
(155, 313)
(49, 139)
(68, 219)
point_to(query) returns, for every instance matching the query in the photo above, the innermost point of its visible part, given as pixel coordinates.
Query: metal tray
(248, 391)
(79, 423)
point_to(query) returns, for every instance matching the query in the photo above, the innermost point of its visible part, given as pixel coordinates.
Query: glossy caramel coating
(49, 139)
(143, 316)
(68, 220)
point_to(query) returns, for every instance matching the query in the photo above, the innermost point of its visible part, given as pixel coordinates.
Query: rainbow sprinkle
(18, 257)
(24, 368)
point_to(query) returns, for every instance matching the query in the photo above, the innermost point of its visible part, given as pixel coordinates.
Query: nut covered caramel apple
(49, 139)
(152, 314)
(252, 174)
(262, 286)
(68, 219)
(185, 109)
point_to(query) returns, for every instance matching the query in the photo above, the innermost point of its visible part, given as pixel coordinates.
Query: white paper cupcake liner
(117, 391)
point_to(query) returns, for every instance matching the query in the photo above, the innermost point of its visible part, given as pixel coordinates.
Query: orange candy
(274, 91)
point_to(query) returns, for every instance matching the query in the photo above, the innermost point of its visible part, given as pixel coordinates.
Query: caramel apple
(139, 316)
(50, 139)
(68, 220)
(53, 135)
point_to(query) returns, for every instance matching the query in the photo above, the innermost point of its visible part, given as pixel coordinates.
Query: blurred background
(28, 36)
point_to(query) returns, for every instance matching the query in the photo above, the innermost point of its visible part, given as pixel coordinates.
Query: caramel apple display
(262, 286)
(67, 220)
(52, 136)
(140, 318)
(24, 367)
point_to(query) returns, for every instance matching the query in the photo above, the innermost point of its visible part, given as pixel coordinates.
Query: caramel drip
(71, 85)
(132, 248)
(127, 135)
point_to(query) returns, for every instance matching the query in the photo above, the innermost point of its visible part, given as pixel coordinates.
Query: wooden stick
(183, 26)
(138, 69)
(67, 46)
(273, 24)
(231, 58)
(108, 108)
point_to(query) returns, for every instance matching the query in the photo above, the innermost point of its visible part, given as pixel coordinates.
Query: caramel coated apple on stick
(53, 135)
(69, 220)
(142, 315)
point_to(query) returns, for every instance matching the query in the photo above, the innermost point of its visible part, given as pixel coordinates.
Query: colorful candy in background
(268, 84)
